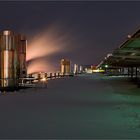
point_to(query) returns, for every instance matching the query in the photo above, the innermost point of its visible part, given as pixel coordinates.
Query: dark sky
(86, 30)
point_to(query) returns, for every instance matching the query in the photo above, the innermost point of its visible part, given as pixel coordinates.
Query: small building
(65, 67)
(75, 71)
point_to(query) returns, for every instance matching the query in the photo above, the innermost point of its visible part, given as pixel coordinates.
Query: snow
(81, 107)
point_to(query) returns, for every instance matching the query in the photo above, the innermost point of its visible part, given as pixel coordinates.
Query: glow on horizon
(42, 45)
(39, 66)
(47, 42)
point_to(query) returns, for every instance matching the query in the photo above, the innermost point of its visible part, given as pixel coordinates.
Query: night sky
(83, 31)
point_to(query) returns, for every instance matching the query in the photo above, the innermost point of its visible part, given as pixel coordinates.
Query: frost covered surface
(85, 106)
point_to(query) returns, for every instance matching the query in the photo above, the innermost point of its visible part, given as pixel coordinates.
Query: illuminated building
(22, 44)
(75, 69)
(81, 69)
(65, 67)
(12, 59)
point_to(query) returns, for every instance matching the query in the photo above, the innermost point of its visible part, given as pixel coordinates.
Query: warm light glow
(129, 36)
(44, 45)
(47, 42)
(98, 70)
(43, 79)
(40, 66)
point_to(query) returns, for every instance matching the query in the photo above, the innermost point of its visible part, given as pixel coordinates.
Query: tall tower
(22, 44)
(75, 69)
(65, 67)
(81, 69)
(10, 59)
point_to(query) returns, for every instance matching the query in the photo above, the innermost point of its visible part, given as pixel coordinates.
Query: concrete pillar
(136, 72)
(120, 71)
(39, 77)
(46, 75)
(30, 81)
(128, 72)
(132, 72)
(123, 70)
(54, 75)
(50, 75)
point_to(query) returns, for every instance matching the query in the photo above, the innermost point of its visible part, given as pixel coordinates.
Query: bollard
(136, 72)
(50, 75)
(54, 75)
(131, 72)
(46, 75)
(39, 77)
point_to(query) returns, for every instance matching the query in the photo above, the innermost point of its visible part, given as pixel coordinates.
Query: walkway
(86, 106)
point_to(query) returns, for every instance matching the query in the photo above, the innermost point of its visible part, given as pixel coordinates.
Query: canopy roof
(127, 54)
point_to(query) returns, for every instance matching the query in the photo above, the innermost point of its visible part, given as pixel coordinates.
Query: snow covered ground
(81, 107)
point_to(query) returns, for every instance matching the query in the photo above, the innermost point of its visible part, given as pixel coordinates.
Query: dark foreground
(87, 106)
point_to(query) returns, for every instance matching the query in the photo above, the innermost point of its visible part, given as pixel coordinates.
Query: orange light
(47, 42)
(43, 79)
(40, 66)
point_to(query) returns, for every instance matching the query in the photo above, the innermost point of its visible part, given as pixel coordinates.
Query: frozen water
(85, 106)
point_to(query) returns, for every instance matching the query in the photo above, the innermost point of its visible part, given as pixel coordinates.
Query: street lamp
(106, 66)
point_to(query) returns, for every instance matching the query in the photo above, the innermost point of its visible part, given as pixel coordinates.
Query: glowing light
(43, 79)
(98, 70)
(106, 66)
(129, 36)
(108, 55)
(40, 66)
(133, 54)
(47, 42)
(88, 71)
(43, 45)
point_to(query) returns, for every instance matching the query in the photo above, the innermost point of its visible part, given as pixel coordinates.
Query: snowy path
(87, 106)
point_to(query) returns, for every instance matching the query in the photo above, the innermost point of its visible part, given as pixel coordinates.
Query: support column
(131, 72)
(128, 72)
(122, 71)
(136, 72)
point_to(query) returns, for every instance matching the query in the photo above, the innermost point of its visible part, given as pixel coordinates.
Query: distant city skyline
(81, 31)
